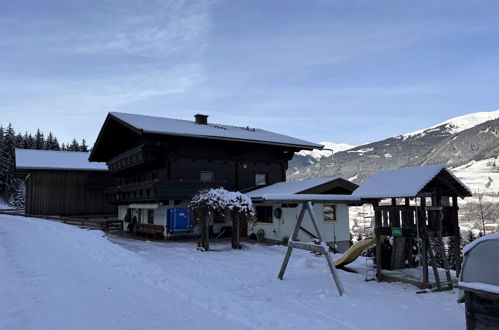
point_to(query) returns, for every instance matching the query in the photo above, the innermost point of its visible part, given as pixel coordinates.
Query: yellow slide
(355, 251)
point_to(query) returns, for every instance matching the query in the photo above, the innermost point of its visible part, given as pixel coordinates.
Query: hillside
(455, 142)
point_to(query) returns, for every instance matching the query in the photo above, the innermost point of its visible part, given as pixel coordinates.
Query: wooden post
(421, 219)
(294, 236)
(457, 235)
(377, 226)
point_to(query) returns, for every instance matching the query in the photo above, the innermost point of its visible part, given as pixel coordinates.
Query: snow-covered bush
(220, 200)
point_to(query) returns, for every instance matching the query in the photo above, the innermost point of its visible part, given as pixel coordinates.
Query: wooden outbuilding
(63, 183)
(417, 207)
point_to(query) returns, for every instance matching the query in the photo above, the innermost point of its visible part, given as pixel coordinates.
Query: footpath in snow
(56, 276)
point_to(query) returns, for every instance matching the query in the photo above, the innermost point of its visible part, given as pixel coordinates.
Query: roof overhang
(315, 198)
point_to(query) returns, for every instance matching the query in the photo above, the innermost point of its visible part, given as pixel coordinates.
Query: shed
(479, 282)
(63, 183)
(278, 205)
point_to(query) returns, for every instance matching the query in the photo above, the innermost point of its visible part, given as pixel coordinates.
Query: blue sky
(342, 71)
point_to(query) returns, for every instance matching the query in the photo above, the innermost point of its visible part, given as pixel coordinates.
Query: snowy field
(56, 276)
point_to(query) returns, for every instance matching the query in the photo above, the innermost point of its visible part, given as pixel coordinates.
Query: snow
(291, 187)
(56, 160)
(3, 205)
(403, 182)
(330, 149)
(480, 286)
(55, 276)
(459, 124)
(471, 245)
(168, 126)
(309, 197)
(479, 175)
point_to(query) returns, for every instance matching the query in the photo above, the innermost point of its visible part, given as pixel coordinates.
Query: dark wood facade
(160, 167)
(68, 192)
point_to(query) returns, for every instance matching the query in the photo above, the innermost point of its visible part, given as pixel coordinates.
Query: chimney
(201, 119)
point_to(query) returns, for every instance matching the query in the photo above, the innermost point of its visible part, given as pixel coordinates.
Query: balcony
(158, 190)
(132, 158)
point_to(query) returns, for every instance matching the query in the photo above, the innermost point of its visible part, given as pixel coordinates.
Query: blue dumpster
(179, 220)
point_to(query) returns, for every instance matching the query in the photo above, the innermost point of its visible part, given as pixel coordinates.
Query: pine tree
(51, 142)
(470, 237)
(19, 141)
(29, 141)
(74, 146)
(39, 141)
(63, 147)
(8, 162)
(3, 162)
(83, 146)
(451, 258)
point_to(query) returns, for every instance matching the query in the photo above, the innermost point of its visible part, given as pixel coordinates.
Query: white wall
(283, 227)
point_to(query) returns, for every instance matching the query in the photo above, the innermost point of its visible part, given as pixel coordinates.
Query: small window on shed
(264, 214)
(207, 176)
(329, 212)
(260, 179)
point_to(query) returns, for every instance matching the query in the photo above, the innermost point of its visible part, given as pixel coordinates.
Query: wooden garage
(63, 183)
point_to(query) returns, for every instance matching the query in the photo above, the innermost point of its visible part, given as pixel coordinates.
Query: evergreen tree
(8, 162)
(19, 141)
(20, 195)
(51, 142)
(39, 141)
(29, 141)
(451, 258)
(3, 162)
(74, 146)
(63, 147)
(470, 237)
(83, 146)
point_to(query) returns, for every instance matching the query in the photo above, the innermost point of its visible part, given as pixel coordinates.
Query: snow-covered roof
(404, 182)
(468, 247)
(27, 159)
(290, 187)
(308, 198)
(169, 126)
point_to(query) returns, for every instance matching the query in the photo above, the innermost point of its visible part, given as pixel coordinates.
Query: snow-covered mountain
(459, 124)
(455, 143)
(330, 148)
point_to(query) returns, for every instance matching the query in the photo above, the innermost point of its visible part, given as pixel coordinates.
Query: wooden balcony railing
(158, 190)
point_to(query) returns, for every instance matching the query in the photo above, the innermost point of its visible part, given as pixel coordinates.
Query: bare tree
(487, 211)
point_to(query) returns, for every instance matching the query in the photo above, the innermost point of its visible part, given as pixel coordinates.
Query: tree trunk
(236, 232)
(204, 241)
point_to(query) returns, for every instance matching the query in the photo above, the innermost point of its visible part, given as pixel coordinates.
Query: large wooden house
(160, 163)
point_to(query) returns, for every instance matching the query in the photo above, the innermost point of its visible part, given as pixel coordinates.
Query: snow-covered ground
(480, 175)
(55, 276)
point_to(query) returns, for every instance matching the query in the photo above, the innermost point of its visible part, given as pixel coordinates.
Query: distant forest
(12, 189)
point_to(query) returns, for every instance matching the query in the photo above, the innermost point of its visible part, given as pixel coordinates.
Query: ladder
(318, 247)
(431, 254)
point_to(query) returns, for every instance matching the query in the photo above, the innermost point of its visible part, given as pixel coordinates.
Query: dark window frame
(264, 214)
(334, 213)
(206, 172)
(256, 180)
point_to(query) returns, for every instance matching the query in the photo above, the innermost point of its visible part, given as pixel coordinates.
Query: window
(260, 179)
(207, 176)
(264, 214)
(150, 216)
(329, 212)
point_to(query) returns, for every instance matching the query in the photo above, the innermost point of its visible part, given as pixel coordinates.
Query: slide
(355, 251)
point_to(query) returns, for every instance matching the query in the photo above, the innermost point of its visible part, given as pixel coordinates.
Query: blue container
(179, 220)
